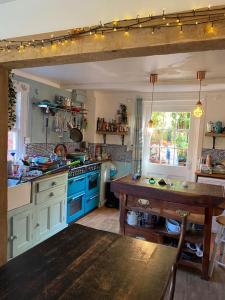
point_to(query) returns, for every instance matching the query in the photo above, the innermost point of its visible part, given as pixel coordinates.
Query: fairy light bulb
(126, 33)
(114, 29)
(153, 30)
(90, 32)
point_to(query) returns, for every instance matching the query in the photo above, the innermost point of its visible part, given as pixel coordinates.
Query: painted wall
(36, 126)
(214, 111)
(24, 17)
(104, 104)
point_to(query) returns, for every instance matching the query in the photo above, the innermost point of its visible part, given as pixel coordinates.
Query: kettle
(132, 218)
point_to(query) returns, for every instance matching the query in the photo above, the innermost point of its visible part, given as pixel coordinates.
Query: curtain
(138, 139)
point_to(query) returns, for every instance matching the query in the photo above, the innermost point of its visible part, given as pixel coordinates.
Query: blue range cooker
(83, 190)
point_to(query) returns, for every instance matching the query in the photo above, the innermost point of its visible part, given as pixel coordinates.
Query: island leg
(207, 242)
(123, 198)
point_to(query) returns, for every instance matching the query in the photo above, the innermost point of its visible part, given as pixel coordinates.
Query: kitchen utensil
(172, 226)
(60, 150)
(210, 126)
(75, 134)
(218, 127)
(131, 218)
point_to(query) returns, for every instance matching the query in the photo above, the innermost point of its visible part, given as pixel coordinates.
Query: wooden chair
(172, 282)
(219, 243)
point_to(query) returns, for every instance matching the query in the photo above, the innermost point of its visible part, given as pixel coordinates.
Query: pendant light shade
(198, 110)
(153, 80)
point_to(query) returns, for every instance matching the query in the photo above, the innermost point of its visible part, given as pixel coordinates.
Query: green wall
(41, 91)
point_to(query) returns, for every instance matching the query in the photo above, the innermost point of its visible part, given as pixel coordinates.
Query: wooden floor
(189, 285)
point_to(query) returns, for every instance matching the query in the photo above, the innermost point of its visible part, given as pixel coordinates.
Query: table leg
(207, 242)
(123, 198)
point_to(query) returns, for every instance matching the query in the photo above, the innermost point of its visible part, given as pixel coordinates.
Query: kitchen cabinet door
(57, 215)
(42, 222)
(20, 232)
(50, 218)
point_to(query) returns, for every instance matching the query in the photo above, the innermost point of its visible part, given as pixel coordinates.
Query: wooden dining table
(85, 263)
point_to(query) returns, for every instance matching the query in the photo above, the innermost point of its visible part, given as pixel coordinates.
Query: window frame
(175, 131)
(22, 111)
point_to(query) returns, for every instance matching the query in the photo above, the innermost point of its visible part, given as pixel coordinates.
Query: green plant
(11, 103)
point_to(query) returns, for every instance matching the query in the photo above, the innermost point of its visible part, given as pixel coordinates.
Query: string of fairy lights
(208, 16)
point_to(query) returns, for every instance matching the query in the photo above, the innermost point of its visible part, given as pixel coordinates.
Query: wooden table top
(84, 263)
(199, 194)
(213, 175)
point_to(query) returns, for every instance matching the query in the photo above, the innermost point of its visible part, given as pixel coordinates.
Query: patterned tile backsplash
(117, 152)
(34, 149)
(217, 154)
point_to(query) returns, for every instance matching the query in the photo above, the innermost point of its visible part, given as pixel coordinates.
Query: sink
(18, 195)
(12, 182)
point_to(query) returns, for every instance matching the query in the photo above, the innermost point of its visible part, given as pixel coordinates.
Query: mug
(131, 218)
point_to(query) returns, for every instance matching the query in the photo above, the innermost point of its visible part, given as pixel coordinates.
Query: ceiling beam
(139, 42)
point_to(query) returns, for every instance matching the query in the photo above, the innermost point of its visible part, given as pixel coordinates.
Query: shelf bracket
(104, 138)
(122, 138)
(214, 142)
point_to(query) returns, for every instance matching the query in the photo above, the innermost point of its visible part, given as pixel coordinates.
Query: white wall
(25, 17)
(104, 104)
(214, 111)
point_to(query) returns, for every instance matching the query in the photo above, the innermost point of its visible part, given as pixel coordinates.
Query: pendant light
(198, 110)
(153, 80)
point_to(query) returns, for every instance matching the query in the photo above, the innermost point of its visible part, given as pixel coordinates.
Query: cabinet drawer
(76, 185)
(50, 183)
(51, 194)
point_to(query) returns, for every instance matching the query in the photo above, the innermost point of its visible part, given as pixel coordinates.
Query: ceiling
(26, 17)
(177, 72)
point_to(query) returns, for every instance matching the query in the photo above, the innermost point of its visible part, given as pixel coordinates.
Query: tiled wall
(117, 152)
(217, 154)
(34, 149)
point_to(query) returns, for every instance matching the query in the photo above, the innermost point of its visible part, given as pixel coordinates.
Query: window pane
(181, 157)
(183, 120)
(170, 138)
(155, 154)
(182, 139)
(156, 137)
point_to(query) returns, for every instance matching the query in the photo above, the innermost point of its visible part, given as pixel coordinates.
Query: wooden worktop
(84, 263)
(199, 194)
(213, 175)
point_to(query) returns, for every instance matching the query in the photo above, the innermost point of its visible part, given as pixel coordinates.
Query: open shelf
(215, 135)
(105, 133)
(159, 231)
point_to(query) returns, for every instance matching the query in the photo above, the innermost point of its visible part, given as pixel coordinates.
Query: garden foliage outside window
(170, 138)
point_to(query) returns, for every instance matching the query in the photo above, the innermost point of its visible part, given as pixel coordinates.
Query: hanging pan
(75, 134)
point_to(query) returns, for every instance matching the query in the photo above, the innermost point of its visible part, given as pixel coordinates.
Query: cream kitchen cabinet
(43, 217)
(20, 233)
(50, 217)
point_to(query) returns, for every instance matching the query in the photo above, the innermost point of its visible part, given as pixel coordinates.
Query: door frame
(140, 43)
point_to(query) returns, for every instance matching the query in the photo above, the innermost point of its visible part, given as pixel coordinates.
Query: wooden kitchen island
(201, 201)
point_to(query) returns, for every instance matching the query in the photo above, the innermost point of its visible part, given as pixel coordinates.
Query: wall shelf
(105, 133)
(215, 135)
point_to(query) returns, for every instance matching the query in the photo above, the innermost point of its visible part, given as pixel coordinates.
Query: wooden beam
(3, 163)
(139, 42)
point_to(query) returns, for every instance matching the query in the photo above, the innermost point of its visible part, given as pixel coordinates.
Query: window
(15, 134)
(170, 138)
